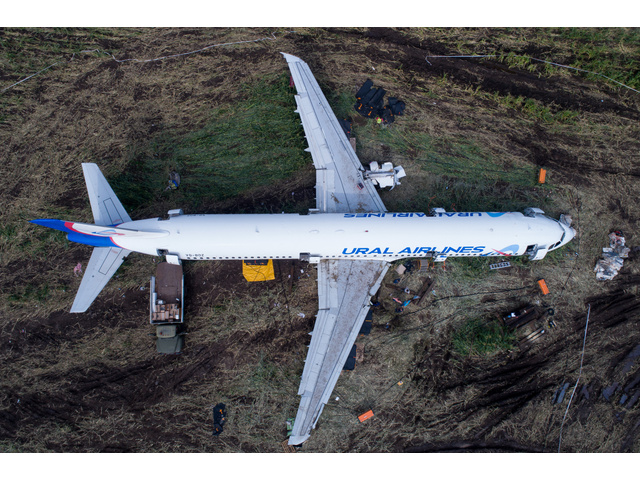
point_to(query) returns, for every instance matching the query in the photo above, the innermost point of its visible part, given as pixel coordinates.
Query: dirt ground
(94, 383)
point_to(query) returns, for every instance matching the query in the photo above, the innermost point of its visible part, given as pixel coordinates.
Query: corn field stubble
(473, 137)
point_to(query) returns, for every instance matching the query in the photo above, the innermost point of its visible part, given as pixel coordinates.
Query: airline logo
(508, 251)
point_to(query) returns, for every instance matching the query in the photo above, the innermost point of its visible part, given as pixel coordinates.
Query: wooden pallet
(424, 290)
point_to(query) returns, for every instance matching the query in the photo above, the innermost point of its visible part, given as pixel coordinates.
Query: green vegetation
(610, 52)
(592, 50)
(24, 51)
(537, 110)
(27, 294)
(89, 382)
(481, 337)
(254, 143)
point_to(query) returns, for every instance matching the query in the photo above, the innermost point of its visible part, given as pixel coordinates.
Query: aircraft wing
(103, 264)
(340, 184)
(345, 288)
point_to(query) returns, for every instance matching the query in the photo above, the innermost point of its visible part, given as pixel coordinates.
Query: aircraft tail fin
(97, 235)
(106, 208)
(107, 255)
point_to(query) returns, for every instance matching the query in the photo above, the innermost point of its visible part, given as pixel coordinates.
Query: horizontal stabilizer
(103, 264)
(106, 208)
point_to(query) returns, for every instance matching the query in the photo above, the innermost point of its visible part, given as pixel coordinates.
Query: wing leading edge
(340, 183)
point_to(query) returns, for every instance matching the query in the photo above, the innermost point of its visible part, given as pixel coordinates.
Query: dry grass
(95, 383)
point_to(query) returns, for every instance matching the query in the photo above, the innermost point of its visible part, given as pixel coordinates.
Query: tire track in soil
(98, 388)
(570, 93)
(507, 384)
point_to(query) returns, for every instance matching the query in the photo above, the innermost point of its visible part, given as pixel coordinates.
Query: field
(475, 133)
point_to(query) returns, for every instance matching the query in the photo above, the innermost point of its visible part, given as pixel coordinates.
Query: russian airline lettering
(414, 214)
(471, 250)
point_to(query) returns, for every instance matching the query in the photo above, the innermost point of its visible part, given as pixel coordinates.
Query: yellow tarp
(258, 270)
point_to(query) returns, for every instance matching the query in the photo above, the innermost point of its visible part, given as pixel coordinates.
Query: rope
(531, 58)
(575, 387)
(30, 76)
(271, 37)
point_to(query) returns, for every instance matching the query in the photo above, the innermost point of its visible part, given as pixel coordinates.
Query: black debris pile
(219, 418)
(345, 123)
(370, 104)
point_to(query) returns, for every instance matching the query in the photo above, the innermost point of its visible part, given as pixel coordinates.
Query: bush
(482, 337)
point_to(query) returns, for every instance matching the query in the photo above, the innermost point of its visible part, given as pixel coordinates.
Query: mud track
(96, 384)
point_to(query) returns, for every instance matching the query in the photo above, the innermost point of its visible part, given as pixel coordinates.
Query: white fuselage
(383, 236)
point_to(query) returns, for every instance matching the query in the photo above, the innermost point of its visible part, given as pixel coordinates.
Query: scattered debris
(543, 287)
(365, 416)
(350, 364)
(608, 392)
(219, 418)
(370, 101)
(532, 336)
(611, 263)
(174, 181)
(77, 270)
(426, 287)
(289, 423)
(542, 176)
(559, 395)
(496, 266)
(522, 317)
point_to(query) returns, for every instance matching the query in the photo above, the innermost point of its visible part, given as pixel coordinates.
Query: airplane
(350, 236)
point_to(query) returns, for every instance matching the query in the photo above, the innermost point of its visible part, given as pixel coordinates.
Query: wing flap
(344, 289)
(340, 183)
